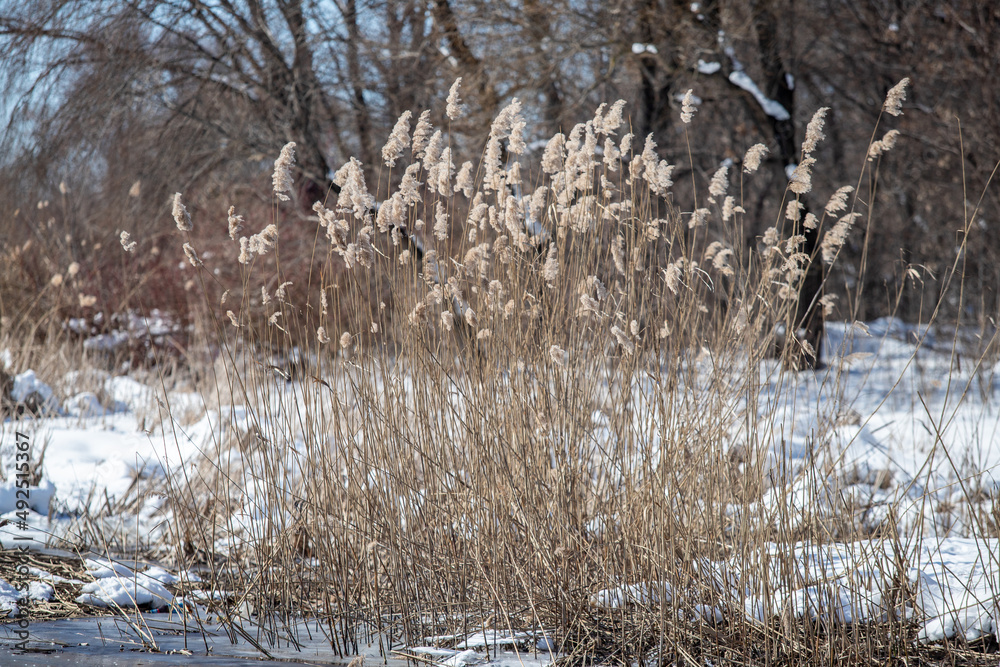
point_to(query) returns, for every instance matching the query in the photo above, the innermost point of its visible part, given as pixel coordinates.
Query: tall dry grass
(535, 399)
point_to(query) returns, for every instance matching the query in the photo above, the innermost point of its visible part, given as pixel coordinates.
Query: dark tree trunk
(807, 324)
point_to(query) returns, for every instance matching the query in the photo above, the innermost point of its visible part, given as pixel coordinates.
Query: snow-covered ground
(915, 436)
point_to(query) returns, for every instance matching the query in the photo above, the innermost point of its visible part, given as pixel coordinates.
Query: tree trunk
(807, 324)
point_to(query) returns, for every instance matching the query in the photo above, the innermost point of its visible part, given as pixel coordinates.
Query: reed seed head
(626, 343)
(463, 182)
(688, 107)
(421, 135)
(894, 99)
(612, 120)
(801, 180)
(235, 223)
(440, 222)
(454, 107)
(282, 177)
(883, 145)
(793, 211)
(192, 255)
(245, 254)
(127, 243)
(814, 131)
(838, 200)
(550, 272)
(555, 154)
(753, 157)
(720, 183)
(181, 215)
(835, 238)
(728, 208)
(399, 140)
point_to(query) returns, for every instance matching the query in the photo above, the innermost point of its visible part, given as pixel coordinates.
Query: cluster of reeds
(510, 386)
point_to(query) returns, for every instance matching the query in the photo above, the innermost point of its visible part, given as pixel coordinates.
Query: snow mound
(38, 497)
(118, 585)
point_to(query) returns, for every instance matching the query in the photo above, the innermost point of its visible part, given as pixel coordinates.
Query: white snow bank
(88, 465)
(10, 597)
(39, 590)
(26, 384)
(469, 657)
(118, 585)
(86, 405)
(489, 638)
(641, 593)
(165, 577)
(45, 575)
(36, 498)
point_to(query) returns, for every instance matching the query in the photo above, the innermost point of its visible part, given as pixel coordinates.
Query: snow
(432, 651)
(638, 48)
(708, 68)
(9, 597)
(469, 657)
(44, 575)
(164, 577)
(39, 590)
(957, 582)
(26, 384)
(128, 327)
(86, 404)
(640, 594)
(118, 585)
(38, 497)
(773, 109)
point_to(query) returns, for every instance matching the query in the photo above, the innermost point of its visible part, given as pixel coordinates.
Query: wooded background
(113, 105)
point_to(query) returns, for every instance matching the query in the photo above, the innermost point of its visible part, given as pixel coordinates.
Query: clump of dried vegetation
(530, 384)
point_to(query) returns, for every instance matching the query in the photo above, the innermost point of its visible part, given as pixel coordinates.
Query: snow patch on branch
(771, 108)
(708, 68)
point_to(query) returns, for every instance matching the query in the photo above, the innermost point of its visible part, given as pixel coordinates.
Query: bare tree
(245, 74)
